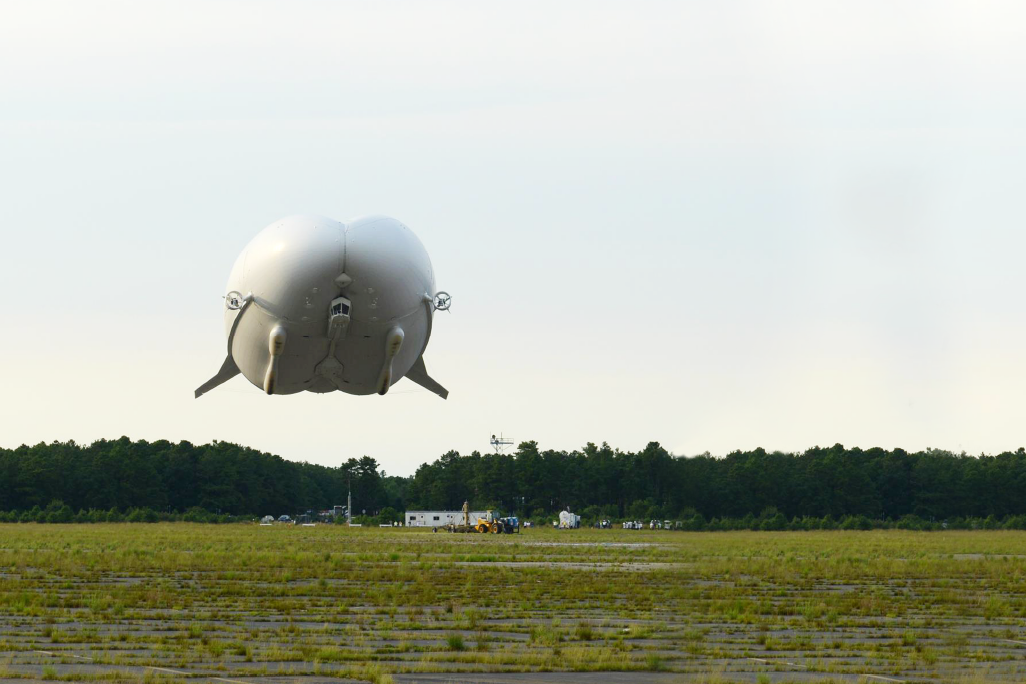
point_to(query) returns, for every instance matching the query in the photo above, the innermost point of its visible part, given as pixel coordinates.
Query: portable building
(442, 518)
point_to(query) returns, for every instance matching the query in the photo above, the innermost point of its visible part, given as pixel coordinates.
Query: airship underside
(318, 305)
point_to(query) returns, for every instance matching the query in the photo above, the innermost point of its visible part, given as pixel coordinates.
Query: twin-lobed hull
(318, 305)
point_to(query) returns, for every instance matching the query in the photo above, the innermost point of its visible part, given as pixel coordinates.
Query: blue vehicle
(510, 524)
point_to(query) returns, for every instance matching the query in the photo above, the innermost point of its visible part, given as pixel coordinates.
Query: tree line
(650, 484)
(747, 487)
(219, 478)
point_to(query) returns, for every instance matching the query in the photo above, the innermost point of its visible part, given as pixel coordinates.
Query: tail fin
(228, 371)
(419, 375)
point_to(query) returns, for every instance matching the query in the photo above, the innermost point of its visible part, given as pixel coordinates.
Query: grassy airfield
(244, 603)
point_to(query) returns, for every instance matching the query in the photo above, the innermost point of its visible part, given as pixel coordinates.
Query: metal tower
(499, 443)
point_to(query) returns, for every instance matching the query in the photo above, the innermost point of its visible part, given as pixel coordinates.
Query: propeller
(443, 301)
(233, 300)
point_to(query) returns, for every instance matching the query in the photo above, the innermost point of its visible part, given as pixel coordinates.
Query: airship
(317, 305)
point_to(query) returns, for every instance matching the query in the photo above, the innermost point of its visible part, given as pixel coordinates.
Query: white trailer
(442, 518)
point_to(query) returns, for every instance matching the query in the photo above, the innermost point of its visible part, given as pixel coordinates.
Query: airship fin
(228, 371)
(419, 375)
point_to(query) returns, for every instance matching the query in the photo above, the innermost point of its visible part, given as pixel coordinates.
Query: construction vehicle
(493, 525)
(486, 524)
(490, 524)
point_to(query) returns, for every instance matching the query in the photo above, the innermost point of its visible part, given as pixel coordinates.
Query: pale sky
(714, 225)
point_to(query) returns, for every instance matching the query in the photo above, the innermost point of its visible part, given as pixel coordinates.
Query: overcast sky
(714, 225)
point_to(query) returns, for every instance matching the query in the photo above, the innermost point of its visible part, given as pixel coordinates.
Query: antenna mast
(499, 443)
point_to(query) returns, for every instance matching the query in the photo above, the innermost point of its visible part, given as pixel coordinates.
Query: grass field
(244, 603)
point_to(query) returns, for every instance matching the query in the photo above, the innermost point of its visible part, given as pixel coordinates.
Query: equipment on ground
(464, 525)
(489, 525)
(494, 525)
(511, 524)
(568, 520)
(485, 524)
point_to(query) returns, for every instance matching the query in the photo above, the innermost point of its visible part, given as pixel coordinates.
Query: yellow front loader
(492, 525)
(487, 524)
